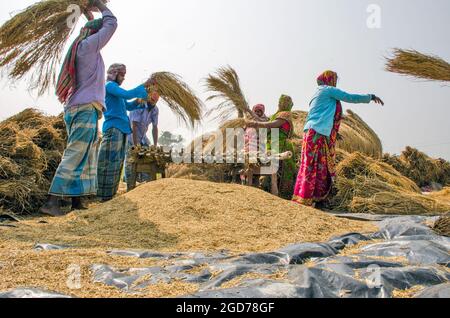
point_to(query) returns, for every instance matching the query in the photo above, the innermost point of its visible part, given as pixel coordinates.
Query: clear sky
(280, 46)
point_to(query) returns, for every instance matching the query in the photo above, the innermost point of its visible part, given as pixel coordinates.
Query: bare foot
(52, 210)
(77, 204)
(104, 200)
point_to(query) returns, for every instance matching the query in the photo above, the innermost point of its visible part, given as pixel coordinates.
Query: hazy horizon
(279, 47)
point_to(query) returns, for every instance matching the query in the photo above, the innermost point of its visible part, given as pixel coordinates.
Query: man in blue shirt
(116, 130)
(142, 119)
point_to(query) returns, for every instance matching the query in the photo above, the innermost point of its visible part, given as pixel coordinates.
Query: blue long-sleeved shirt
(117, 105)
(323, 108)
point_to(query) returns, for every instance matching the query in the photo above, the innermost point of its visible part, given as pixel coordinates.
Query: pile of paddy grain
(200, 172)
(419, 167)
(186, 215)
(31, 147)
(366, 185)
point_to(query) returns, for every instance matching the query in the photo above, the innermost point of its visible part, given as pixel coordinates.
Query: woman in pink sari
(317, 171)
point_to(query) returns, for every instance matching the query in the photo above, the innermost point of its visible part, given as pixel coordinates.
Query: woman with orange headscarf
(317, 171)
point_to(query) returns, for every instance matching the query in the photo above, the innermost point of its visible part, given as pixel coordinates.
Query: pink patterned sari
(318, 168)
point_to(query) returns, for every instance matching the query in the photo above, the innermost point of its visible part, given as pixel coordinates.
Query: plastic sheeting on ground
(410, 255)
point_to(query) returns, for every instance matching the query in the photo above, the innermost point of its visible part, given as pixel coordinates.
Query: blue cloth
(111, 160)
(323, 108)
(76, 175)
(117, 106)
(144, 118)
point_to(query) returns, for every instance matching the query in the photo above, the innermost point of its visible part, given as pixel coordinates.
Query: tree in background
(167, 139)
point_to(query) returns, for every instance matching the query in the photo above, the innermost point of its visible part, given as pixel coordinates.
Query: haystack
(31, 148)
(35, 39)
(366, 185)
(419, 167)
(184, 215)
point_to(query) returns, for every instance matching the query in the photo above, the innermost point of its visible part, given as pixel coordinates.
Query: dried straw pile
(179, 97)
(35, 38)
(366, 185)
(443, 195)
(416, 64)
(442, 226)
(419, 167)
(184, 215)
(31, 146)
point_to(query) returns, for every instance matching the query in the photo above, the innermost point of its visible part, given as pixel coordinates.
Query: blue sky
(280, 47)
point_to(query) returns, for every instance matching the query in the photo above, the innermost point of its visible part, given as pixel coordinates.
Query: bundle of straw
(22, 195)
(179, 97)
(225, 86)
(8, 168)
(442, 226)
(36, 38)
(416, 64)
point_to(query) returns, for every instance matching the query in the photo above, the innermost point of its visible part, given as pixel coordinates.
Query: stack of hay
(31, 147)
(366, 185)
(419, 167)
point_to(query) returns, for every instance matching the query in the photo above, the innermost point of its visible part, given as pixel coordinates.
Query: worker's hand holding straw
(95, 6)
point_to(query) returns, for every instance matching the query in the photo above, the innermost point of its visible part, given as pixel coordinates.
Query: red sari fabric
(317, 170)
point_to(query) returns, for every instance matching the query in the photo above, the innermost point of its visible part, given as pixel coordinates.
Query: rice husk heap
(31, 148)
